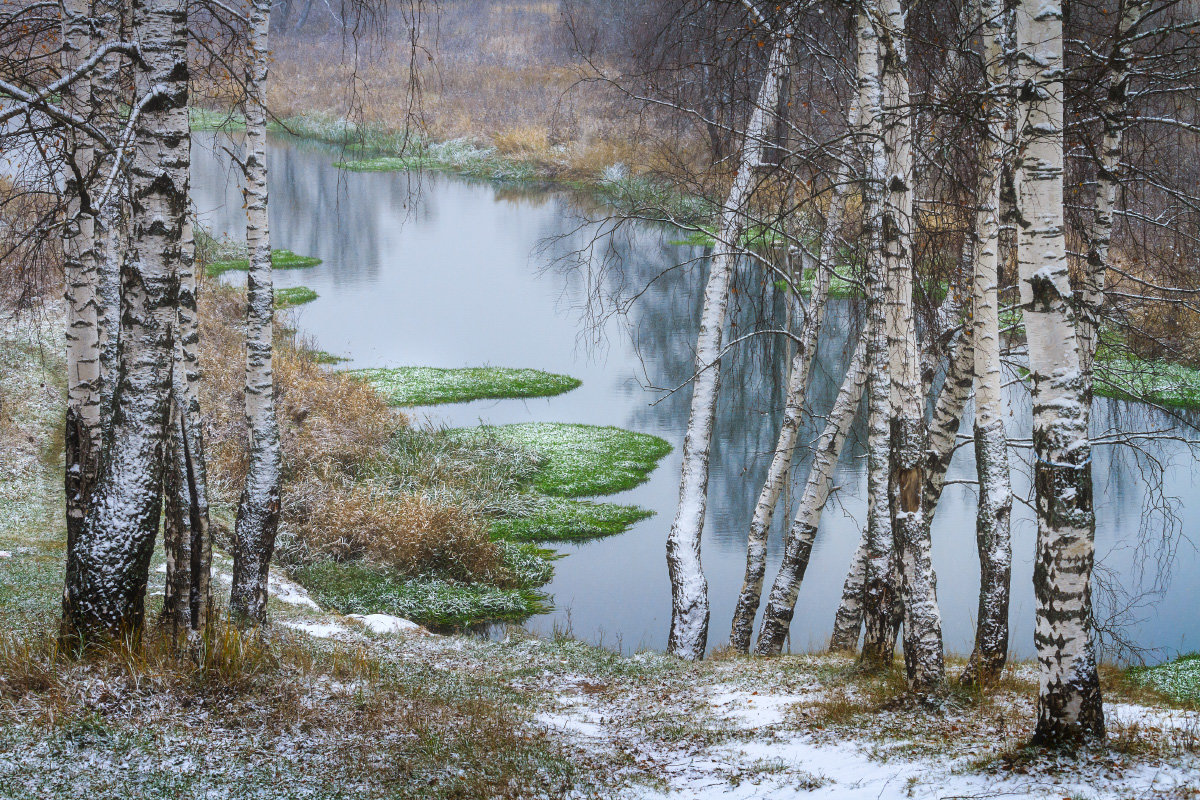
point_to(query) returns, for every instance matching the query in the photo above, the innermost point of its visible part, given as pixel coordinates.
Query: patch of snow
(286, 591)
(386, 623)
(5, 554)
(753, 709)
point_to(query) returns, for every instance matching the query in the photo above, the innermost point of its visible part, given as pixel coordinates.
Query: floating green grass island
(280, 259)
(1155, 381)
(581, 460)
(427, 386)
(292, 296)
(554, 519)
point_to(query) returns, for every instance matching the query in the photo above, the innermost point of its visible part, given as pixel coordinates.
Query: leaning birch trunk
(923, 657)
(789, 428)
(106, 583)
(258, 512)
(84, 429)
(187, 597)
(992, 522)
(689, 589)
(847, 623)
(781, 604)
(1069, 705)
(1112, 112)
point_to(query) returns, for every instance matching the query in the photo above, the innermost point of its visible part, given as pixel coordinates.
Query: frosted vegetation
(280, 259)
(426, 386)
(292, 296)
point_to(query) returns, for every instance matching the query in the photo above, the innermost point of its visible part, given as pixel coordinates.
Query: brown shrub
(333, 430)
(413, 535)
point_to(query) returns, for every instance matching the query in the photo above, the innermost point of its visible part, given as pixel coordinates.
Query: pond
(442, 271)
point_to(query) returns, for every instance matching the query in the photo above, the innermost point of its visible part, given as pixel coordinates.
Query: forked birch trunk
(992, 523)
(106, 582)
(258, 512)
(1069, 705)
(187, 597)
(797, 547)
(689, 589)
(923, 657)
(797, 388)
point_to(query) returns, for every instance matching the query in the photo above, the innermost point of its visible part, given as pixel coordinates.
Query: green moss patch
(293, 296)
(555, 519)
(426, 386)
(280, 259)
(362, 588)
(1178, 679)
(581, 460)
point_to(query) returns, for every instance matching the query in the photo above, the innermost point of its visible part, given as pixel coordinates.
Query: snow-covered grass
(581, 460)
(1163, 382)
(292, 296)
(553, 519)
(280, 259)
(424, 386)
(1178, 679)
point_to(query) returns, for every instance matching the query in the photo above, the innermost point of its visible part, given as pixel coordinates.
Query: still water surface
(446, 272)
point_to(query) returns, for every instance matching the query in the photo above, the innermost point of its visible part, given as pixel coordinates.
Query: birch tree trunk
(187, 598)
(923, 657)
(689, 589)
(1112, 113)
(106, 582)
(84, 431)
(992, 524)
(847, 623)
(781, 604)
(1069, 705)
(785, 448)
(258, 512)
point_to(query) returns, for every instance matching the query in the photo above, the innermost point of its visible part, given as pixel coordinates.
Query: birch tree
(923, 655)
(84, 432)
(781, 604)
(992, 526)
(258, 511)
(779, 469)
(106, 582)
(1069, 704)
(689, 589)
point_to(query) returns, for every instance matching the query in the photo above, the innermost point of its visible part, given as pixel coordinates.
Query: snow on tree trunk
(785, 448)
(797, 547)
(84, 432)
(992, 523)
(847, 623)
(1069, 705)
(1112, 113)
(689, 589)
(258, 512)
(106, 582)
(187, 599)
(923, 657)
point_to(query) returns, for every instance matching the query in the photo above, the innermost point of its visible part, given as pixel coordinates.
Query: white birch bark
(187, 597)
(84, 431)
(1112, 113)
(258, 512)
(781, 604)
(879, 590)
(992, 525)
(1069, 705)
(689, 589)
(847, 623)
(797, 387)
(106, 583)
